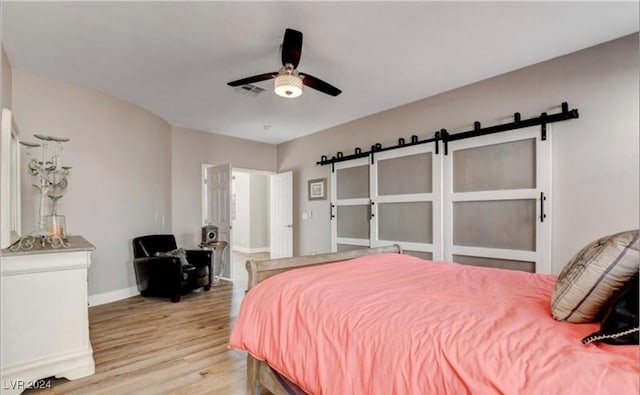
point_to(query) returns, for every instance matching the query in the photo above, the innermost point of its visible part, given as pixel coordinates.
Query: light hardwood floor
(152, 346)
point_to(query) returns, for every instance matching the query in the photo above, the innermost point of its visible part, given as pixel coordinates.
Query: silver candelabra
(52, 182)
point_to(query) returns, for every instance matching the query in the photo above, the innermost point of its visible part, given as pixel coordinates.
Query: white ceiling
(175, 58)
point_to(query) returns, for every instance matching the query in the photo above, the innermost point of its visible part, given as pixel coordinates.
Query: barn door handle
(371, 214)
(331, 214)
(542, 214)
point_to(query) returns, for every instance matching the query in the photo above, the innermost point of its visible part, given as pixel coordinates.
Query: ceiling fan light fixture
(288, 85)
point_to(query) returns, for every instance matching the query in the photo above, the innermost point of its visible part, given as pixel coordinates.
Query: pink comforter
(394, 324)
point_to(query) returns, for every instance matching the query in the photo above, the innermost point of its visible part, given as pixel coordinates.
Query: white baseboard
(113, 296)
(246, 250)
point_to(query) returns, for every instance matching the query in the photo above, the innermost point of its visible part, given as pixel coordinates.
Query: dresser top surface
(76, 243)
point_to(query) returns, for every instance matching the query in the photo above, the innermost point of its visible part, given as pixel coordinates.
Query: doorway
(249, 217)
(253, 209)
(250, 212)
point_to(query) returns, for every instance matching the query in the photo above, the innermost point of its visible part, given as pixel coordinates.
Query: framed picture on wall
(318, 189)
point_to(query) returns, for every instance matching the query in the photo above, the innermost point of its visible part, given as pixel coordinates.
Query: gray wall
(119, 186)
(131, 169)
(189, 150)
(595, 157)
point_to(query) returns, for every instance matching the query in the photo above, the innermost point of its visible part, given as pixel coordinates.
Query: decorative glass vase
(56, 225)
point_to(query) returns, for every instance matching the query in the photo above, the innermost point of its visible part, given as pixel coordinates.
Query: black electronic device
(209, 234)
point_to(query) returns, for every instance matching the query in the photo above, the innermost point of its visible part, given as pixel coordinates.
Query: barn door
(350, 205)
(406, 200)
(497, 194)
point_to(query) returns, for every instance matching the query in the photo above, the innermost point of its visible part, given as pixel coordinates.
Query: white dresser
(44, 315)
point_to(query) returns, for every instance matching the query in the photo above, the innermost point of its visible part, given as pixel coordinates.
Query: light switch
(307, 215)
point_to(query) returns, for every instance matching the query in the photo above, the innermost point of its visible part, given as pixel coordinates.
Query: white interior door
(218, 213)
(281, 228)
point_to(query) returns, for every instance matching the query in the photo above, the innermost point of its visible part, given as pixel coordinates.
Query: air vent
(249, 90)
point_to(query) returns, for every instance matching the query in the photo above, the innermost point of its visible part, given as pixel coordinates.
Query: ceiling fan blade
(318, 84)
(291, 47)
(251, 80)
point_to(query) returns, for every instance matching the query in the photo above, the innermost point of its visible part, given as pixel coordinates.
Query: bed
(377, 321)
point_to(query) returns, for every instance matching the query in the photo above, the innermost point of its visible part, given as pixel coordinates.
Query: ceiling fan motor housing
(287, 83)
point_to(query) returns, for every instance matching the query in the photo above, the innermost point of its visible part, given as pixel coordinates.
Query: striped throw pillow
(593, 276)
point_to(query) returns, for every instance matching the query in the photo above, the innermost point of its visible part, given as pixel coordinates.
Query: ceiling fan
(288, 81)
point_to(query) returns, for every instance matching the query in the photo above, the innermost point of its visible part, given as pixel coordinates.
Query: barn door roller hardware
(443, 136)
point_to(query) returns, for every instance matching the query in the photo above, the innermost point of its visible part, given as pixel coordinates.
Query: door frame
(203, 200)
(203, 209)
(250, 172)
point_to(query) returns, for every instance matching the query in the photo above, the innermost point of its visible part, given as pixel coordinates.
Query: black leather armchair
(167, 275)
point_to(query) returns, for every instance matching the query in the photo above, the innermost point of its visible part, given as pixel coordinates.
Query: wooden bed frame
(259, 374)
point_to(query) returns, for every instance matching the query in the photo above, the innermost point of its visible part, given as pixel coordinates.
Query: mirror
(10, 218)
